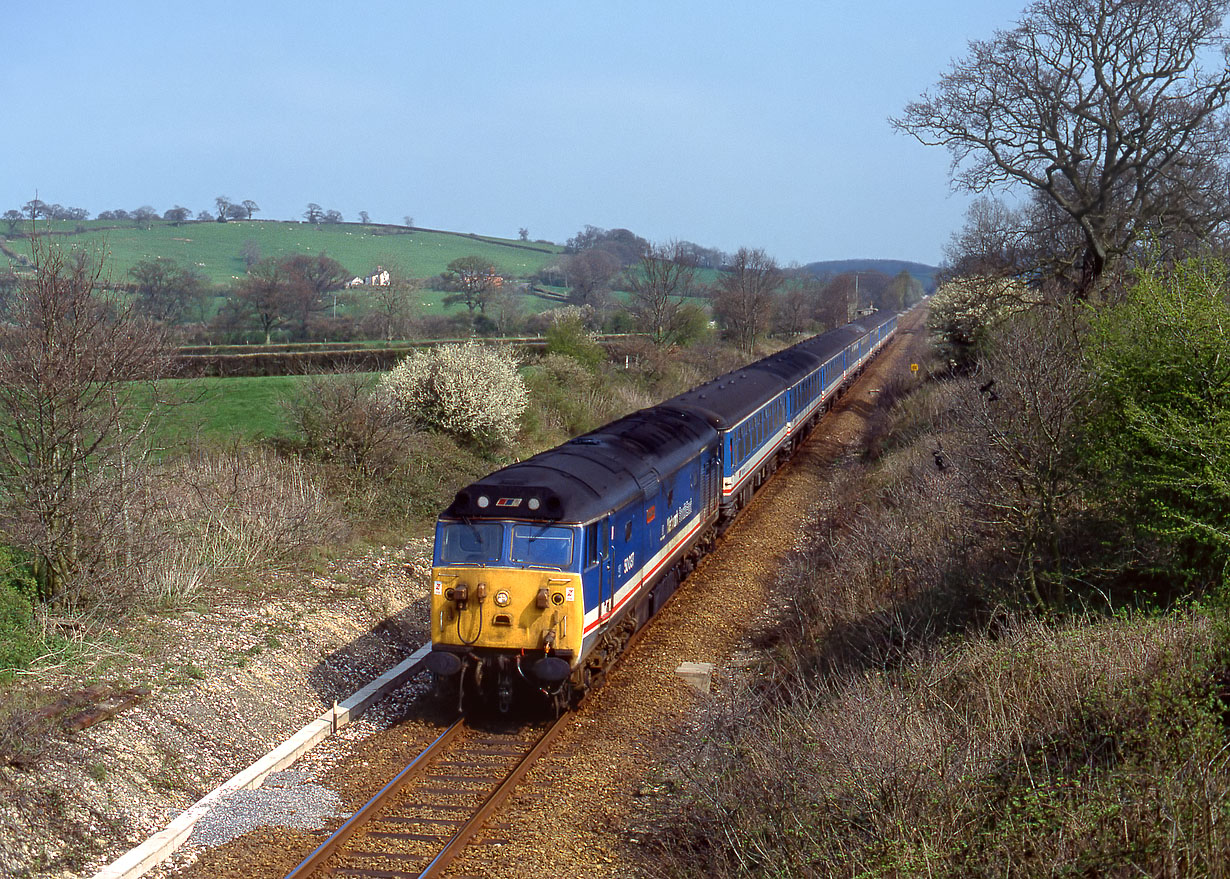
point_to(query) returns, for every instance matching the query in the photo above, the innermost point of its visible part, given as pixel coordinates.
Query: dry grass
(913, 719)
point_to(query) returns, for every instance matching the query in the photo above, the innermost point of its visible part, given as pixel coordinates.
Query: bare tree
(177, 215)
(659, 285)
(250, 207)
(745, 296)
(309, 280)
(165, 289)
(1104, 108)
(589, 273)
(223, 204)
(1019, 441)
(392, 308)
(836, 302)
(314, 213)
(13, 218)
(504, 308)
(471, 280)
(143, 216)
(251, 252)
(74, 373)
(264, 294)
(795, 307)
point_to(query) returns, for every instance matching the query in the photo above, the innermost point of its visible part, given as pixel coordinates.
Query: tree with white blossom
(472, 391)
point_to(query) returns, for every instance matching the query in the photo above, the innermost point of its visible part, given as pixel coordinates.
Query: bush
(340, 421)
(909, 723)
(20, 643)
(569, 338)
(1163, 438)
(470, 391)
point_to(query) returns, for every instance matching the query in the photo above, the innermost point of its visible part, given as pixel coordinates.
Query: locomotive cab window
(459, 543)
(542, 546)
(595, 544)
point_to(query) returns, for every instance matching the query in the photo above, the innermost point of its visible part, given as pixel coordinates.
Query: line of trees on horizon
(675, 292)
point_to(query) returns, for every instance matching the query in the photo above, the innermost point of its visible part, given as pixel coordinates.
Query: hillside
(924, 273)
(217, 249)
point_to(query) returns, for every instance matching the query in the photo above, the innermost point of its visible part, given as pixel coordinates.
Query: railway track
(439, 804)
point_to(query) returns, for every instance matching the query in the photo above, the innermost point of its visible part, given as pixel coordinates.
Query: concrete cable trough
(163, 844)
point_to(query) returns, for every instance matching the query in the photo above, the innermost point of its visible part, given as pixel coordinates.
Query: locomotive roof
(591, 475)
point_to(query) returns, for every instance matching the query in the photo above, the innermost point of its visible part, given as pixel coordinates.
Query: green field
(222, 409)
(216, 249)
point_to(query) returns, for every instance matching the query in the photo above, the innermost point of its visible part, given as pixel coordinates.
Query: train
(543, 570)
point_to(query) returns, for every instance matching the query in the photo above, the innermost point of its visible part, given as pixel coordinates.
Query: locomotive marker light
(502, 599)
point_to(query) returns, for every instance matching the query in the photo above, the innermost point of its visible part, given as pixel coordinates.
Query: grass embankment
(919, 715)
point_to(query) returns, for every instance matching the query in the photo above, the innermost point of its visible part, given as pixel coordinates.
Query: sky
(729, 124)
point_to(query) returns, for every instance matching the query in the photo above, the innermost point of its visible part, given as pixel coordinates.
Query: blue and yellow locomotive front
(506, 593)
(543, 569)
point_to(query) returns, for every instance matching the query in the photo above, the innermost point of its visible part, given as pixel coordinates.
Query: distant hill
(217, 250)
(830, 268)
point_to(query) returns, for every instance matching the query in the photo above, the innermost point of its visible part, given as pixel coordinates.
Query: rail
(460, 745)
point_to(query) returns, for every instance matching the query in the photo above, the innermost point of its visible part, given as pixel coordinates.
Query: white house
(378, 278)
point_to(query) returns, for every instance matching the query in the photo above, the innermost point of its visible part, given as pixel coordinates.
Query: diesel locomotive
(543, 570)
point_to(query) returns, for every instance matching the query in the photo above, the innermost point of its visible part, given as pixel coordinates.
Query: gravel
(287, 799)
(255, 667)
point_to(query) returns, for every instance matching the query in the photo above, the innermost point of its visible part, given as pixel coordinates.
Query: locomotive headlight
(534, 503)
(502, 599)
(483, 501)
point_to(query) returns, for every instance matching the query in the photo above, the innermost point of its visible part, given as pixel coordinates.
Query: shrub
(569, 338)
(470, 391)
(1163, 441)
(340, 421)
(20, 644)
